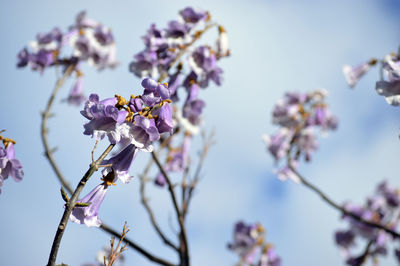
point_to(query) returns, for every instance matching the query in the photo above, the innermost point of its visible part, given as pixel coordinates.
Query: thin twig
(137, 247)
(70, 205)
(207, 145)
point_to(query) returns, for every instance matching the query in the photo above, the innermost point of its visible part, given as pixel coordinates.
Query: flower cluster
(134, 125)
(9, 165)
(389, 84)
(88, 40)
(164, 48)
(249, 244)
(382, 208)
(298, 115)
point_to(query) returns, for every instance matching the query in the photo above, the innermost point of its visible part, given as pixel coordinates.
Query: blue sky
(276, 46)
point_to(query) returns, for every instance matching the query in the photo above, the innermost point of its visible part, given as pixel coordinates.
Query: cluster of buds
(249, 243)
(382, 208)
(88, 40)
(298, 115)
(134, 125)
(165, 48)
(9, 165)
(389, 84)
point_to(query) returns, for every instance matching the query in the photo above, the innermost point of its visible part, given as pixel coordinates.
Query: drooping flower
(88, 215)
(354, 73)
(76, 96)
(9, 165)
(121, 163)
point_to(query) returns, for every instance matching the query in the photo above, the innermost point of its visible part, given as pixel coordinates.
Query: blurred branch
(188, 193)
(44, 130)
(115, 253)
(184, 247)
(337, 206)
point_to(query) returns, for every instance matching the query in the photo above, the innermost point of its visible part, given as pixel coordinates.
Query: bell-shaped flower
(191, 15)
(88, 215)
(76, 96)
(9, 165)
(143, 132)
(164, 120)
(353, 74)
(121, 163)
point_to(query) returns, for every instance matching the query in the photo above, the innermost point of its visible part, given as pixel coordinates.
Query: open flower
(105, 119)
(88, 215)
(9, 165)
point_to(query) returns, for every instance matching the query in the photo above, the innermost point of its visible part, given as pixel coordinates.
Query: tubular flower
(9, 165)
(88, 215)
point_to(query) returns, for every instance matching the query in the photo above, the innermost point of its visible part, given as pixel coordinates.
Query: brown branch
(71, 204)
(138, 248)
(184, 247)
(152, 217)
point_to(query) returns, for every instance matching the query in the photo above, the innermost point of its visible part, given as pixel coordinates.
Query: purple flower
(353, 74)
(191, 15)
(381, 208)
(345, 239)
(9, 165)
(88, 215)
(250, 246)
(245, 238)
(278, 144)
(105, 119)
(203, 62)
(164, 120)
(145, 64)
(270, 257)
(76, 96)
(121, 163)
(143, 132)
